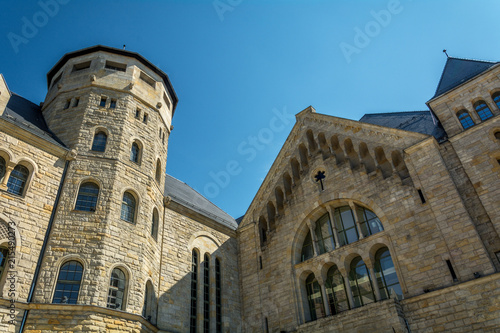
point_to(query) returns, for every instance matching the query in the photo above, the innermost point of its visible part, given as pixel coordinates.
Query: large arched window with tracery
(369, 222)
(314, 298)
(387, 279)
(336, 292)
(360, 282)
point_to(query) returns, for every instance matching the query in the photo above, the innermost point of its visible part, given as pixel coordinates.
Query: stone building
(387, 224)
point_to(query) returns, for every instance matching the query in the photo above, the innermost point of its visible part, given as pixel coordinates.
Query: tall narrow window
(2, 167)
(87, 197)
(145, 118)
(218, 297)
(154, 224)
(17, 180)
(324, 234)
(103, 102)
(346, 225)
(76, 102)
(100, 140)
(128, 207)
(67, 104)
(112, 104)
(307, 248)
(206, 294)
(387, 279)
(361, 285)
(194, 292)
(3, 260)
(483, 111)
(134, 153)
(147, 308)
(335, 289)
(116, 293)
(68, 283)
(314, 298)
(369, 222)
(465, 119)
(158, 171)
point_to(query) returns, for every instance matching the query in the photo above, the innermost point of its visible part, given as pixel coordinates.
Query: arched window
(346, 225)
(314, 298)
(465, 119)
(483, 111)
(335, 289)
(134, 153)
(307, 248)
(17, 180)
(369, 222)
(361, 285)
(154, 224)
(87, 197)
(68, 283)
(2, 167)
(100, 139)
(128, 207)
(158, 171)
(194, 292)
(387, 279)
(116, 293)
(206, 294)
(3, 260)
(496, 99)
(218, 297)
(147, 308)
(324, 234)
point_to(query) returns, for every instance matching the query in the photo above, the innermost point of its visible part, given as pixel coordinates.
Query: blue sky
(243, 68)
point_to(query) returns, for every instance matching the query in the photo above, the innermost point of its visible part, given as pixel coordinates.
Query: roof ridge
(476, 60)
(391, 113)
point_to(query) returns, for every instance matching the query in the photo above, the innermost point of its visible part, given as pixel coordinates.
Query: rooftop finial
(124, 46)
(443, 51)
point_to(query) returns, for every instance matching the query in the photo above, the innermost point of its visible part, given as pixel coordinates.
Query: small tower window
(17, 180)
(483, 111)
(465, 119)
(76, 102)
(134, 153)
(67, 104)
(154, 224)
(68, 283)
(87, 197)
(145, 118)
(112, 104)
(100, 140)
(116, 292)
(137, 113)
(103, 102)
(115, 66)
(128, 207)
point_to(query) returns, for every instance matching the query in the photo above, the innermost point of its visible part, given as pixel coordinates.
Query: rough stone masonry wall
(473, 306)
(30, 213)
(184, 232)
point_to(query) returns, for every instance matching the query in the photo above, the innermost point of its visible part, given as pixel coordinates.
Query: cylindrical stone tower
(115, 109)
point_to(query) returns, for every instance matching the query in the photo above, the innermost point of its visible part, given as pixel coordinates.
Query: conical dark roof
(457, 71)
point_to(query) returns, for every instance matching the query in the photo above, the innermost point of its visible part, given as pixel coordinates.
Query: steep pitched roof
(457, 71)
(28, 116)
(185, 195)
(415, 121)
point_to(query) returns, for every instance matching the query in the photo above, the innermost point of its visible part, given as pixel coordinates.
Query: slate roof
(457, 71)
(415, 121)
(28, 116)
(185, 195)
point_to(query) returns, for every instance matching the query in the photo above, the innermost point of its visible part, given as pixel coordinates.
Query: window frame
(24, 182)
(483, 110)
(68, 282)
(97, 132)
(112, 288)
(92, 208)
(465, 119)
(135, 207)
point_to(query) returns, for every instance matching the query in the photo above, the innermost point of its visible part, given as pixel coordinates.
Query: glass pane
(17, 180)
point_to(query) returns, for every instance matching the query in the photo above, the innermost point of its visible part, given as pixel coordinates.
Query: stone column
(358, 224)
(334, 228)
(347, 285)
(373, 277)
(325, 297)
